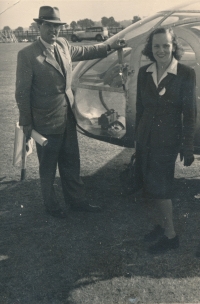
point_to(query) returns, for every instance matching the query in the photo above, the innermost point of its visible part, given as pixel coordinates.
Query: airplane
(105, 89)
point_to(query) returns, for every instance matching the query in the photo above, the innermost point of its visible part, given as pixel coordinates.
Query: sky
(15, 13)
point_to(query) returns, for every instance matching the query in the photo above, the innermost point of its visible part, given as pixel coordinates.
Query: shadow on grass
(45, 260)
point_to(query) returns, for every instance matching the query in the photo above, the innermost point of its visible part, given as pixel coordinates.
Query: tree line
(82, 23)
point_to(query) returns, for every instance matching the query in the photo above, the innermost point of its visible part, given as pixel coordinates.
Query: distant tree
(85, 23)
(19, 29)
(125, 23)
(97, 23)
(33, 27)
(104, 21)
(73, 25)
(6, 28)
(110, 22)
(135, 19)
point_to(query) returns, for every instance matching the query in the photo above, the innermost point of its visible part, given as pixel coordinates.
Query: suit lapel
(153, 89)
(51, 60)
(150, 84)
(65, 59)
(165, 81)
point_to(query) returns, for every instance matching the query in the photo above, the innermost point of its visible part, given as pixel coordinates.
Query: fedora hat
(49, 14)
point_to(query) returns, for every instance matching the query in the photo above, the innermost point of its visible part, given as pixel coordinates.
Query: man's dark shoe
(155, 234)
(164, 244)
(85, 207)
(198, 252)
(57, 213)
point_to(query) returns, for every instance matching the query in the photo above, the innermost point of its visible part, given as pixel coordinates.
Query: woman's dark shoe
(164, 244)
(155, 234)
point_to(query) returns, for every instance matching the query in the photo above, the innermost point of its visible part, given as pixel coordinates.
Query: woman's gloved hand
(187, 157)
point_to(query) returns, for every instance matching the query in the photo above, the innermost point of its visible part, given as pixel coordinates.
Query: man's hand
(117, 44)
(188, 158)
(27, 131)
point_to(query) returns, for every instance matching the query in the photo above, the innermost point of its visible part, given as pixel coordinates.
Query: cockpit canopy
(105, 89)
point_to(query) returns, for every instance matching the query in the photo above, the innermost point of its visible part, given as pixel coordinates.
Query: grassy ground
(88, 258)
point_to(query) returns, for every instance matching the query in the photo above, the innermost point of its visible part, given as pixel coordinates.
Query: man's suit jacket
(164, 120)
(41, 87)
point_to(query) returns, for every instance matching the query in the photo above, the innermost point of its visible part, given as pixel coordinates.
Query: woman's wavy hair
(147, 51)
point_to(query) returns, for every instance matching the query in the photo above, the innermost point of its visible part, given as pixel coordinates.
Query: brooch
(162, 92)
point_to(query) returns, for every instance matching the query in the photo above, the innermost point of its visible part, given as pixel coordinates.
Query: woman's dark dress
(164, 124)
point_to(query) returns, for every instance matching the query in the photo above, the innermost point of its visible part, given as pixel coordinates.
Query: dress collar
(172, 69)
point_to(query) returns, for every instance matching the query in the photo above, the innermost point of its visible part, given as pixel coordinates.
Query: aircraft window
(196, 27)
(100, 98)
(196, 30)
(186, 15)
(105, 73)
(170, 20)
(189, 57)
(144, 60)
(101, 113)
(142, 28)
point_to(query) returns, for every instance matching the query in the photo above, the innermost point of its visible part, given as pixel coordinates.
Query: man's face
(49, 31)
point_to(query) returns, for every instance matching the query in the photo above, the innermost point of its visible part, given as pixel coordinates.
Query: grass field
(88, 258)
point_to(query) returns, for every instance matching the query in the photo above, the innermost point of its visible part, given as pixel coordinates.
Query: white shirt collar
(47, 45)
(172, 69)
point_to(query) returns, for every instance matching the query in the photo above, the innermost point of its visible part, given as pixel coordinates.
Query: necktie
(58, 59)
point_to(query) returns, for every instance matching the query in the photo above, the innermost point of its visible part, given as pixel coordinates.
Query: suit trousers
(62, 150)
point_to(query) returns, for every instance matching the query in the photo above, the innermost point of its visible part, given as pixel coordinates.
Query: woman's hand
(187, 157)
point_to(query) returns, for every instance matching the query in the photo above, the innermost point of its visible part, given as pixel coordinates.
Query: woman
(165, 122)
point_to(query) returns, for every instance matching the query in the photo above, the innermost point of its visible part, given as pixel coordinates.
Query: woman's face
(162, 48)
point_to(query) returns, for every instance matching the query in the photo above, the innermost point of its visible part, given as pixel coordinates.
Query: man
(45, 101)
